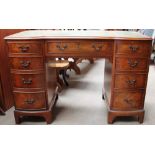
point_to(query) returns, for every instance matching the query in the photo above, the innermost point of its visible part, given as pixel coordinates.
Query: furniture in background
(73, 63)
(1, 99)
(4, 69)
(128, 52)
(150, 33)
(153, 50)
(116, 29)
(61, 66)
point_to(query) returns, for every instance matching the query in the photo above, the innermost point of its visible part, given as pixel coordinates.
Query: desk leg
(112, 115)
(47, 115)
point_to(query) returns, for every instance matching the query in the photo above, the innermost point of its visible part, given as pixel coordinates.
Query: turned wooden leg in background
(63, 73)
(91, 60)
(73, 65)
(59, 82)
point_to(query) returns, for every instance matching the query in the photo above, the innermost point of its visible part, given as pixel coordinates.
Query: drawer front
(30, 101)
(128, 101)
(97, 47)
(131, 64)
(28, 80)
(129, 81)
(62, 46)
(26, 63)
(134, 48)
(25, 48)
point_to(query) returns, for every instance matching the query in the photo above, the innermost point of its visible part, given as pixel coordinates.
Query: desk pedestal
(125, 79)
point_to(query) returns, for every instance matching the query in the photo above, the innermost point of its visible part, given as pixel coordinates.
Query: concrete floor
(81, 103)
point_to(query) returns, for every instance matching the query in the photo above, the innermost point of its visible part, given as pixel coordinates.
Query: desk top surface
(88, 34)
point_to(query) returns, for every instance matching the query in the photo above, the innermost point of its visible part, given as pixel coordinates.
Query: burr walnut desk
(126, 69)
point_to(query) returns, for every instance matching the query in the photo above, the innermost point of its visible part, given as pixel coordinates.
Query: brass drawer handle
(24, 48)
(133, 64)
(97, 48)
(62, 48)
(28, 82)
(131, 82)
(25, 64)
(133, 48)
(29, 101)
(128, 101)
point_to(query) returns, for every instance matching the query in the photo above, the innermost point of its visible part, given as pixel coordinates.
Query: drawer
(26, 63)
(89, 46)
(28, 80)
(33, 47)
(131, 64)
(62, 46)
(129, 81)
(30, 101)
(106, 47)
(128, 101)
(134, 48)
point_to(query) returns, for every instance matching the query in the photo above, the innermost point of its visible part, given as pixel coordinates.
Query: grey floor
(81, 103)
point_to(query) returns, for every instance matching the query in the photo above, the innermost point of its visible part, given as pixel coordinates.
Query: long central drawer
(86, 46)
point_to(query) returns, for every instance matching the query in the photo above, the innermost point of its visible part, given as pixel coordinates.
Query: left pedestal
(34, 89)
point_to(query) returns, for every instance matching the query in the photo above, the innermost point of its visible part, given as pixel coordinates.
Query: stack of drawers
(28, 76)
(130, 78)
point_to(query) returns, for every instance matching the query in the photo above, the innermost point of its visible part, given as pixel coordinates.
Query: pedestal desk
(126, 70)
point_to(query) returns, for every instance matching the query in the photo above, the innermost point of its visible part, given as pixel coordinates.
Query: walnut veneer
(128, 53)
(4, 70)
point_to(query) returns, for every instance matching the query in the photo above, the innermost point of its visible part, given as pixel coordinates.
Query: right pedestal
(129, 72)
